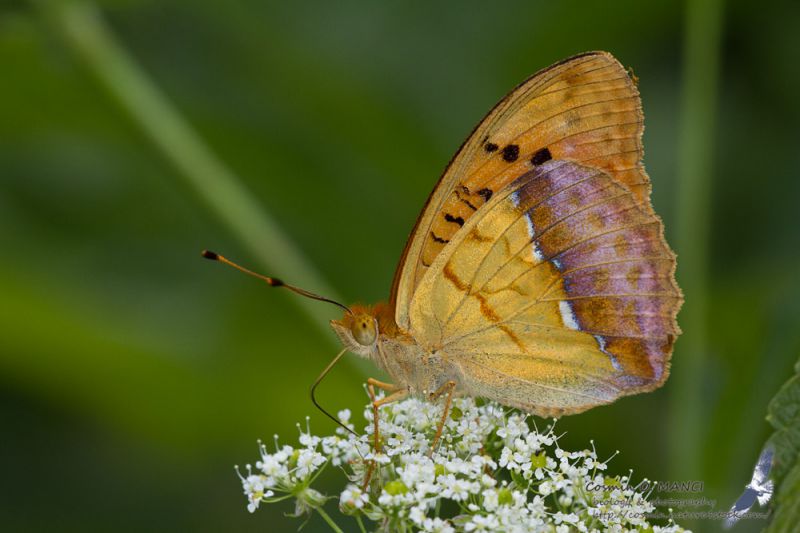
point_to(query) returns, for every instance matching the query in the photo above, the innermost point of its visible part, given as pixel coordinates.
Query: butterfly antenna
(272, 282)
(317, 382)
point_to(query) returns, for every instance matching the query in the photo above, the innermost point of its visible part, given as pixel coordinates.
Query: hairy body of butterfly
(537, 275)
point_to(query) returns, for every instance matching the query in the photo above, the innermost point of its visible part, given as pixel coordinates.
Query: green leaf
(784, 416)
(787, 503)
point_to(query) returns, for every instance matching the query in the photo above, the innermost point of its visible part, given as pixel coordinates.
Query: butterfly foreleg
(396, 392)
(448, 388)
(388, 387)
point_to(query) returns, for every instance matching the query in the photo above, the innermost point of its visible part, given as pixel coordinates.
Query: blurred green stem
(695, 150)
(87, 35)
(329, 520)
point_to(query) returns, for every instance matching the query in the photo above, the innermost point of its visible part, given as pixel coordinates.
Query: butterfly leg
(448, 388)
(396, 392)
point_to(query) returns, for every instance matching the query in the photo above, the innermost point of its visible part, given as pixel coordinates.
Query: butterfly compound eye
(364, 330)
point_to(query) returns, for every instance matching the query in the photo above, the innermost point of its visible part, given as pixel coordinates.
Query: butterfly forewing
(584, 109)
(557, 295)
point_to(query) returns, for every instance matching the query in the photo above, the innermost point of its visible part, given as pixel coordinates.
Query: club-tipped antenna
(272, 282)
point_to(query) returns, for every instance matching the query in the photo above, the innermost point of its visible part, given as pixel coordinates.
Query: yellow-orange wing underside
(538, 269)
(556, 296)
(584, 109)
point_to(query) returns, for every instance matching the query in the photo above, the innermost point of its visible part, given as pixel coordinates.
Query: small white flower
(490, 500)
(273, 466)
(352, 497)
(254, 489)
(307, 462)
(437, 525)
(482, 523)
(457, 489)
(570, 518)
(417, 515)
(308, 440)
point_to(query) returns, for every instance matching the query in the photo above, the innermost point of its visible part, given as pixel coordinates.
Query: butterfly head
(364, 329)
(358, 330)
(361, 329)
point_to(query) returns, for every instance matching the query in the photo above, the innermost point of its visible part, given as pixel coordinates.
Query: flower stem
(695, 149)
(329, 520)
(361, 524)
(87, 35)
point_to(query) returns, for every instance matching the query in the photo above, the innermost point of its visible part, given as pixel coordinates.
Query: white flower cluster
(493, 470)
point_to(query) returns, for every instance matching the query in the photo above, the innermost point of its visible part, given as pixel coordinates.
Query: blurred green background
(134, 375)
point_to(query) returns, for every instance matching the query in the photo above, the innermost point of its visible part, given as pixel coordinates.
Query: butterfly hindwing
(557, 295)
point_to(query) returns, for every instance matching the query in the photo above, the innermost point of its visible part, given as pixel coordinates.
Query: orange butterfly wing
(538, 270)
(584, 109)
(558, 295)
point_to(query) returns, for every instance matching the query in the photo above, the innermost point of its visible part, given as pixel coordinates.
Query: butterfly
(537, 274)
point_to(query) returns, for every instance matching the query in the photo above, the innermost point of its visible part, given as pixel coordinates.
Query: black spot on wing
(467, 202)
(486, 193)
(510, 153)
(438, 239)
(541, 156)
(490, 147)
(457, 220)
